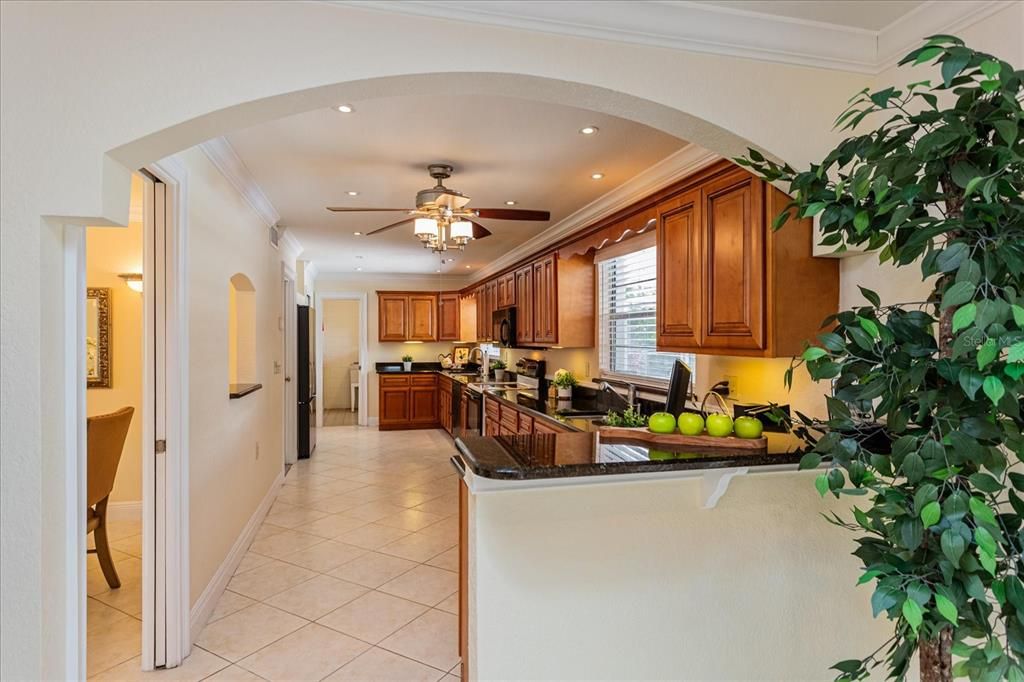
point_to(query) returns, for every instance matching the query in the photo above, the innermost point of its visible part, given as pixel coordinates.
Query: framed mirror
(97, 337)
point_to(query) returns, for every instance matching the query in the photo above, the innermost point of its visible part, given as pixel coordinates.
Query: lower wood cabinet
(408, 401)
(445, 416)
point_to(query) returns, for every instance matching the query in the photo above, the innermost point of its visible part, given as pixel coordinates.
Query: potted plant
(564, 381)
(937, 184)
(498, 367)
(407, 363)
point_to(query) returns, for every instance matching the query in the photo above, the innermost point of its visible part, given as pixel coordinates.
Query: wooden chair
(105, 434)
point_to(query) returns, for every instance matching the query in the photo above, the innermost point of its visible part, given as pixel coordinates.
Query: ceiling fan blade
(388, 227)
(512, 214)
(479, 231)
(346, 209)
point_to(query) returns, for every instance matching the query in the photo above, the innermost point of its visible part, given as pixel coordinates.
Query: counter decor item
(446, 360)
(699, 443)
(631, 417)
(937, 184)
(407, 363)
(498, 366)
(564, 381)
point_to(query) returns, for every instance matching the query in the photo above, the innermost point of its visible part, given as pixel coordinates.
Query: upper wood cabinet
(524, 311)
(422, 317)
(392, 316)
(727, 284)
(449, 317)
(545, 301)
(506, 290)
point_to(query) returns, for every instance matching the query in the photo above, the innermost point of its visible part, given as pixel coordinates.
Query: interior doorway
(341, 361)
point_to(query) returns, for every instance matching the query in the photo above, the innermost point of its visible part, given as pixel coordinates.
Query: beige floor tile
(316, 597)
(311, 653)
(269, 579)
(199, 665)
(129, 569)
(244, 632)
(448, 560)
(284, 543)
(373, 616)
(338, 486)
(117, 530)
(412, 498)
(432, 639)
(332, 526)
(368, 493)
(446, 506)
(334, 504)
(423, 584)
(228, 603)
(233, 673)
(372, 536)
(451, 678)
(373, 511)
(448, 528)
(250, 561)
(120, 641)
(457, 670)
(127, 598)
(378, 665)
(99, 616)
(450, 604)
(411, 520)
(325, 556)
(418, 547)
(131, 545)
(373, 569)
(268, 529)
(290, 516)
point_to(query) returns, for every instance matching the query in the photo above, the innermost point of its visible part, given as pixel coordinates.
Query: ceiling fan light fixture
(461, 231)
(425, 229)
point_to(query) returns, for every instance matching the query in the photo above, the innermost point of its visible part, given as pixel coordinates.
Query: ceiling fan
(441, 214)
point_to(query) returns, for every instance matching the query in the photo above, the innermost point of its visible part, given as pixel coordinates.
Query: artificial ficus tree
(924, 427)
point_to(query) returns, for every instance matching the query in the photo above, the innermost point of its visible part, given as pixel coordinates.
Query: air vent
(275, 236)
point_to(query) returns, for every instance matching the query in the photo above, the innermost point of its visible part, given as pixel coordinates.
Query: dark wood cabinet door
(734, 263)
(392, 317)
(679, 273)
(492, 305)
(507, 290)
(422, 405)
(422, 317)
(524, 305)
(545, 301)
(394, 406)
(449, 318)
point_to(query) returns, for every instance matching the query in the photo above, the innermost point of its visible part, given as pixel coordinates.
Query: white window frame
(638, 243)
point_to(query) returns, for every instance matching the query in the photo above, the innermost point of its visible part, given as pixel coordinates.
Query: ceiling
(502, 149)
(870, 15)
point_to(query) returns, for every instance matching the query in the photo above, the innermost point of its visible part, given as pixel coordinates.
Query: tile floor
(352, 576)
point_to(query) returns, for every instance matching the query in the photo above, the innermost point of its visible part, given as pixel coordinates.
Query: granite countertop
(564, 455)
(424, 368)
(549, 408)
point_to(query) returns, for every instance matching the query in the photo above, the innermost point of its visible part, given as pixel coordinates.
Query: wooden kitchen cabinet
(407, 316)
(506, 295)
(394, 401)
(408, 401)
(545, 301)
(449, 317)
(727, 284)
(423, 317)
(524, 309)
(445, 416)
(492, 305)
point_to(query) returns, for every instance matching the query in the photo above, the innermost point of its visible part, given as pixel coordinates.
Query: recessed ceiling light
(589, 130)
(358, 234)
(359, 269)
(437, 271)
(596, 176)
(468, 267)
(352, 193)
(345, 108)
(510, 203)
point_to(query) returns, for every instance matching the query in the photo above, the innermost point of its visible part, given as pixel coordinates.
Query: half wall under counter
(613, 570)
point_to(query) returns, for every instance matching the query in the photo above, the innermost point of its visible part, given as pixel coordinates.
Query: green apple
(719, 424)
(691, 424)
(662, 422)
(748, 427)
(659, 454)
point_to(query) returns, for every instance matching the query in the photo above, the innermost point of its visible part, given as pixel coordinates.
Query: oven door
(472, 413)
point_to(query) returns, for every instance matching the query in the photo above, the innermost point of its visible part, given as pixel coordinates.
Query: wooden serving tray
(702, 442)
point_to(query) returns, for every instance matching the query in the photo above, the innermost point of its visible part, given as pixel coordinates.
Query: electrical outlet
(734, 384)
(257, 451)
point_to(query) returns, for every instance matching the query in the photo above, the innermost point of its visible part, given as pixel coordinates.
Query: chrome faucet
(630, 392)
(485, 362)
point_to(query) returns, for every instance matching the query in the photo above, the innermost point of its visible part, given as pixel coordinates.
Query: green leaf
(927, 55)
(994, 389)
(985, 482)
(868, 575)
(861, 221)
(987, 353)
(814, 209)
(1016, 352)
(913, 467)
(953, 64)
(953, 546)
(958, 294)
(811, 460)
(982, 512)
(970, 381)
(964, 317)
(813, 353)
(821, 484)
(870, 296)
(1018, 315)
(930, 514)
(1015, 592)
(990, 67)
(913, 614)
(951, 257)
(870, 326)
(946, 608)
(988, 563)
(1008, 130)
(986, 543)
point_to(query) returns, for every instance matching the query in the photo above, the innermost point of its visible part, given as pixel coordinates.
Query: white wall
(110, 252)
(340, 319)
(178, 77)
(235, 444)
(388, 351)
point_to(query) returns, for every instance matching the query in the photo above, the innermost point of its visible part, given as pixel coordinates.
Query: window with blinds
(627, 302)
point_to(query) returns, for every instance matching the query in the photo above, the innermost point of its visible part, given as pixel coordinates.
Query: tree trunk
(936, 656)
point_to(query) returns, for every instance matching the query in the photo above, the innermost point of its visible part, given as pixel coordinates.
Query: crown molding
(699, 27)
(291, 247)
(227, 161)
(672, 168)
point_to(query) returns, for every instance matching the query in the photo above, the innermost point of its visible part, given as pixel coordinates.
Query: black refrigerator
(306, 369)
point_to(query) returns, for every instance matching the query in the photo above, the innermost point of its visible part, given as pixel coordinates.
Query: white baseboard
(207, 601)
(124, 511)
(372, 421)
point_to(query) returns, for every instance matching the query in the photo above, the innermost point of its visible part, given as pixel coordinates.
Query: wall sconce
(133, 280)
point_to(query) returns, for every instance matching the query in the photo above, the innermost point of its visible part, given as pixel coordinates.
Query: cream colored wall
(388, 351)
(341, 326)
(235, 444)
(53, 173)
(636, 581)
(110, 252)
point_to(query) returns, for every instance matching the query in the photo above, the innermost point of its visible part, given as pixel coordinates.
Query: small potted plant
(564, 381)
(499, 370)
(407, 362)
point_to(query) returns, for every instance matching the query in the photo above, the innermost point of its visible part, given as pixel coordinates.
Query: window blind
(627, 305)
